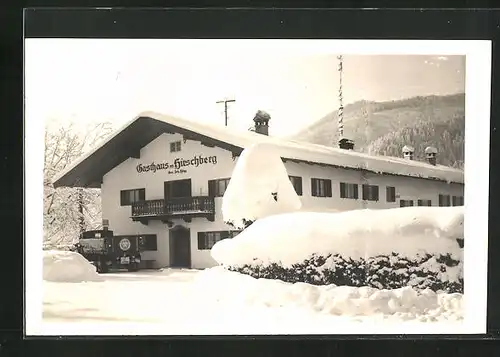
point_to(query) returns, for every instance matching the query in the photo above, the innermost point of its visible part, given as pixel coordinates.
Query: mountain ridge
(372, 125)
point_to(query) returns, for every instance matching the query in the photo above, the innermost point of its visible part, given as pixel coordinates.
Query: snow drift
(231, 288)
(390, 248)
(259, 187)
(68, 267)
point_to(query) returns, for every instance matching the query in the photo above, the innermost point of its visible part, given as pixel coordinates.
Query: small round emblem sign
(124, 244)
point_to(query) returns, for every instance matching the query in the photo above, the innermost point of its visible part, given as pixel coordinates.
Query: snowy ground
(215, 301)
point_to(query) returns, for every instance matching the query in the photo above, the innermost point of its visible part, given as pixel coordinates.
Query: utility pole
(225, 101)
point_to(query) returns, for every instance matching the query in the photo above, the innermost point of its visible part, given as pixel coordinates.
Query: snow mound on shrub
(68, 267)
(231, 288)
(291, 238)
(259, 187)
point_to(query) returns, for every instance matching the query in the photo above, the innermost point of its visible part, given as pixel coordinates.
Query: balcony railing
(182, 206)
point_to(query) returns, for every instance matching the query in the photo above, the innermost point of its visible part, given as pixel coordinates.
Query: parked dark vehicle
(106, 251)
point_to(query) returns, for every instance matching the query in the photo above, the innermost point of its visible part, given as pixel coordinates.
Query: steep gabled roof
(127, 141)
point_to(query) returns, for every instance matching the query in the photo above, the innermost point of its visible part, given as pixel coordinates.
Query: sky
(103, 80)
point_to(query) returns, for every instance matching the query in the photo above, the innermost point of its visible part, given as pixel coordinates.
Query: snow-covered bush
(68, 267)
(383, 272)
(385, 249)
(61, 247)
(259, 187)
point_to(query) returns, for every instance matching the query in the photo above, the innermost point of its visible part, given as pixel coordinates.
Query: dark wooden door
(180, 248)
(177, 188)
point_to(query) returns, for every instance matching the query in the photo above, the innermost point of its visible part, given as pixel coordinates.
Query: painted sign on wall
(178, 165)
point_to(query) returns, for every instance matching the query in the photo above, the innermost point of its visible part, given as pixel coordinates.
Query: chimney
(346, 144)
(261, 121)
(408, 152)
(430, 155)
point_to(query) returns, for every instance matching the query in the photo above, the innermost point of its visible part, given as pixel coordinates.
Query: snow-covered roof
(408, 148)
(289, 149)
(430, 150)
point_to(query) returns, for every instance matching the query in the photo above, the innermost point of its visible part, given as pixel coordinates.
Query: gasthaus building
(163, 178)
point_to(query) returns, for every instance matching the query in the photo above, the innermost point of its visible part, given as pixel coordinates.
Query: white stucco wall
(125, 176)
(406, 187)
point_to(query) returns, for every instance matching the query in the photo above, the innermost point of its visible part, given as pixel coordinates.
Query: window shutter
(211, 188)
(313, 187)
(150, 242)
(142, 194)
(375, 188)
(390, 194)
(123, 199)
(356, 196)
(328, 188)
(299, 186)
(201, 240)
(365, 192)
(342, 190)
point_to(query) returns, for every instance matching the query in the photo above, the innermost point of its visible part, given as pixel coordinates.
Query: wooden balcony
(165, 210)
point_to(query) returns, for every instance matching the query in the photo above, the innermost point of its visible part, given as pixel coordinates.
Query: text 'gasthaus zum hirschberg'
(177, 165)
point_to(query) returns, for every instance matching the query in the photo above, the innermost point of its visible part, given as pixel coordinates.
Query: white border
(478, 87)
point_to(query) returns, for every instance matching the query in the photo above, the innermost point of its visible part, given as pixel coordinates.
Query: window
(216, 188)
(297, 184)
(390, 194)
(457, 201)
(444, 200)
(127, 197)
(175, 146)
(321, 187)
(206, 240)
(370, 193)
(405, 203)
(148, 242)
(424, 203)
(349, 190)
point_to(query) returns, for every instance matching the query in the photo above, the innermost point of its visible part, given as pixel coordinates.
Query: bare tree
(68, 210)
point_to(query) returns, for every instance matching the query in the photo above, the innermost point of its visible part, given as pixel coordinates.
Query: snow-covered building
(164, 177)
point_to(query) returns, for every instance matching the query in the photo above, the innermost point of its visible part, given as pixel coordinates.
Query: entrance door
(180, 247)
(177, 188)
